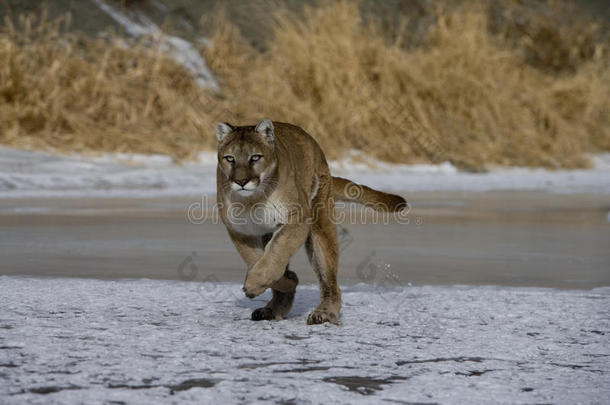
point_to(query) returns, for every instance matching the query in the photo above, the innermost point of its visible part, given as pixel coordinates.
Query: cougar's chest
(256, 219)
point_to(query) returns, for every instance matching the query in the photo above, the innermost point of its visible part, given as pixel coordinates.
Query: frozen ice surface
(37, 174)
(144, 341)
(445, 177)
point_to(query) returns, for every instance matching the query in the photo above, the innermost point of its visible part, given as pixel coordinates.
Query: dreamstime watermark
(238, 213)
(260, 213)
(188, 270)
(400, 301)
(344, 238)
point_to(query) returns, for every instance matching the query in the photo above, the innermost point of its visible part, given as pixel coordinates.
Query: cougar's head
(246, 155)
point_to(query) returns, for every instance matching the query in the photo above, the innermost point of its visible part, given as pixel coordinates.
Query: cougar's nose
(241, 182)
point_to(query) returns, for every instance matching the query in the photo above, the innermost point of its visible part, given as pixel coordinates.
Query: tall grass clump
(477, 87)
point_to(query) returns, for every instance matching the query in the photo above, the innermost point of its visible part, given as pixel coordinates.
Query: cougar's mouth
(247, 189)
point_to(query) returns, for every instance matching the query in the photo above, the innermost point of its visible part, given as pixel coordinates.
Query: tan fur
(285, 199)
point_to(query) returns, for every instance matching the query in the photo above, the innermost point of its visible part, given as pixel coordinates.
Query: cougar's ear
(265, 128)
(223, 129)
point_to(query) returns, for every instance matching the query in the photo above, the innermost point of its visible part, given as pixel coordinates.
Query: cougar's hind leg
(283, 292)
(323, 251)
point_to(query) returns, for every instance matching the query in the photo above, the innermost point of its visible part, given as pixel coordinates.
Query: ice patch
(37, 174)
(153, 160)
(143, 341)
(445, 177)
(355, 160)
(601, 161)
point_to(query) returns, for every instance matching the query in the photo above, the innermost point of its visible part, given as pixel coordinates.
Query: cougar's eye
(229, 158)
(255, 158)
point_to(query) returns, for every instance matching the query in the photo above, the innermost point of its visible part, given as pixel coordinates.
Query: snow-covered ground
(37, 174)
(143, 341)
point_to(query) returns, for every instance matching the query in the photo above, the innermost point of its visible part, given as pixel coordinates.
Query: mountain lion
(275, 193)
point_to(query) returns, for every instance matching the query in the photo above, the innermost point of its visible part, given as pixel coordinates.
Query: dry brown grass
(72, 94)
(468, 92)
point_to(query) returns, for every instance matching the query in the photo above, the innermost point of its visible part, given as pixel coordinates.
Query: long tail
(347, 190)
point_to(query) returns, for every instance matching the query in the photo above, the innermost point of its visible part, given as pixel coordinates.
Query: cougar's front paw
(255, 285)
(259, 278)
(253, 290)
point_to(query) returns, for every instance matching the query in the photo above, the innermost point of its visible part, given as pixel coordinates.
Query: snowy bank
(142, 341)
(37, 174)
(180, 50)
